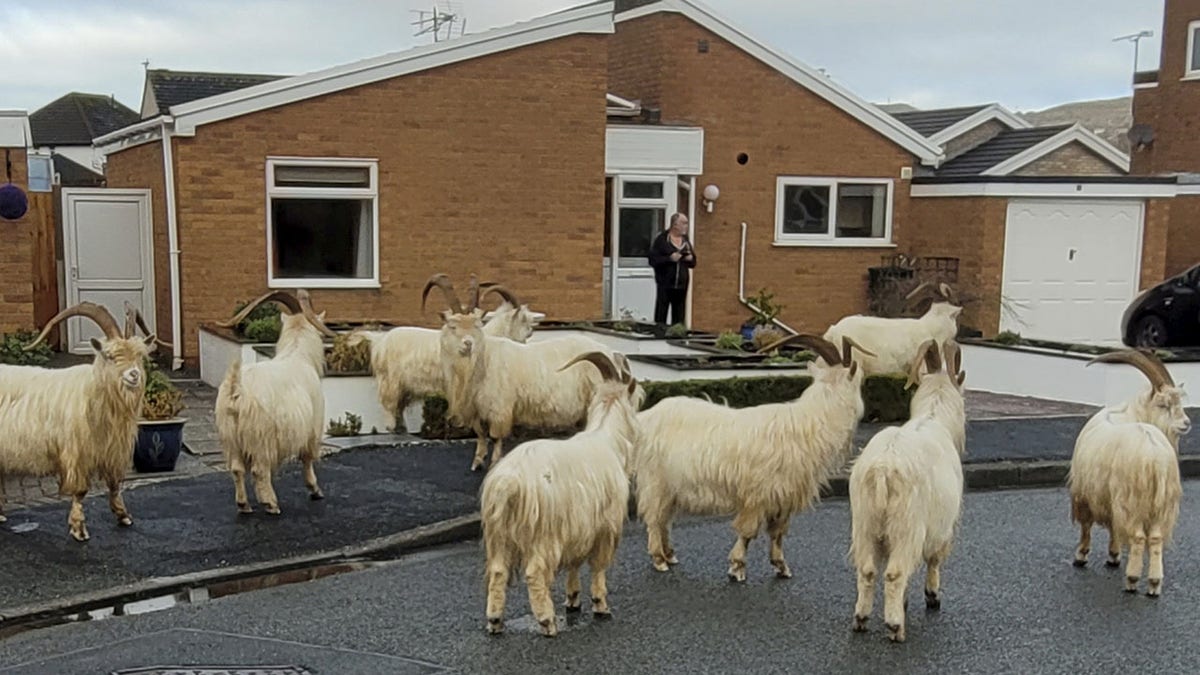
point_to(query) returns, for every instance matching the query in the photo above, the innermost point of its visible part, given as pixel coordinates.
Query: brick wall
(16, 253)
(1170, 108)
(493, 166)
(747, 107)
(1156, 228)
(142, 167)
(1183, 241)
(1072, 159)
(972, 138)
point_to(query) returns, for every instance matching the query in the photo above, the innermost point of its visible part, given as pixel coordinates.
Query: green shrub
(344, 358)
(729, 340)
(12, 344)
(350, 427)
(884, 396)
(162, 400)
(264, 330)
(677, 331)
(1007, 338)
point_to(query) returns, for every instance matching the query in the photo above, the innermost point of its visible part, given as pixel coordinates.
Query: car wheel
(1150, 331)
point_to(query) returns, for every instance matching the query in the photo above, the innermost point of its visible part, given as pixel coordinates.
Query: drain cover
(216, 670)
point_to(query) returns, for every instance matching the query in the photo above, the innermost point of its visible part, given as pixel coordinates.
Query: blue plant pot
(748, 331)
(158, 444)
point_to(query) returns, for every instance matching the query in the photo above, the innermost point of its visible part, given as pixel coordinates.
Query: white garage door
(1070, 268)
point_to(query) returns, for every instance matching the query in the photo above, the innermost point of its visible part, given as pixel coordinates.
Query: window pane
(861, 210)
(1194, 60)
(322, 238)
(642, 190)
(806, 209)
(41, 174)
(323, 176)
(639, 227)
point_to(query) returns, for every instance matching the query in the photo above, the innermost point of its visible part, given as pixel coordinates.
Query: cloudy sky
(1027, 54)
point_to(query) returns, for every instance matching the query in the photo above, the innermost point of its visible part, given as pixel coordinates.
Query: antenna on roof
(146, 64)
(1135, 38)
(444, 22)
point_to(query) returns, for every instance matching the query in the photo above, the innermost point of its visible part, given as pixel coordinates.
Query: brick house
(548, 153)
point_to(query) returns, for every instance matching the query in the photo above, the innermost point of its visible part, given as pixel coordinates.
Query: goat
(552, 504)
(271, 411)
(906, 491)
(80, 421)
(1124, 473)
(762, 463)
(896, 341)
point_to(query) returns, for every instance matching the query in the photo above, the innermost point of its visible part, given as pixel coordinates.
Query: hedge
(884, 396)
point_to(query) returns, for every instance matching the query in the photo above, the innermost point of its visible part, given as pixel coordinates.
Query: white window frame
(829, 238)
(1190, 73)
(40, 158)
(371, 192)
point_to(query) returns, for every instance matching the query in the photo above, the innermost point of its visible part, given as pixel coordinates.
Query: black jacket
(669, 273)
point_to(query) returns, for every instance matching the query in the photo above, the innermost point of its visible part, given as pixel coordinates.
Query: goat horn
(847, 343)
(914, 292)
(623, 365)
(443, 282)
(599, 359)
(824, 348)
(134, 315)
(948, 293)
(953, 355)
(473, 293)
(1149, 364)
(282, 297)
(928, 354)
(503, 292)
(306, 307)
(90, 310)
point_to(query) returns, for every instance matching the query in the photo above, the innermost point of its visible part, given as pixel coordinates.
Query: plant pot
(158, 444)
(748, 330)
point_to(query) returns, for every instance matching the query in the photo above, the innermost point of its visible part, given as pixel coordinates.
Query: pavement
(1011, 603)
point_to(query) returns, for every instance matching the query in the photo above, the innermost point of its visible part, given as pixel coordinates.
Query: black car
(1167, 315)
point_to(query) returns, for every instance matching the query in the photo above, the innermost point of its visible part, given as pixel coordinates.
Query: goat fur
(897, 341)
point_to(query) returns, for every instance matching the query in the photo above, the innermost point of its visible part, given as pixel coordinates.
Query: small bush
(767, 309)
(351, 425)
(12, 344)
(729, 340)
(344, 358)
(1007, 338)
(765, 335)
(677, 331)
(264, 330)
(162, 400)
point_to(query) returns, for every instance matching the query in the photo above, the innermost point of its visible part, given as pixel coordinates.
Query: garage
(1071, 266)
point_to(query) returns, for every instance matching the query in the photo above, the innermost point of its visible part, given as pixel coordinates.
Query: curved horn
(847, 343)
(948, 293)
(306, 307)
(953, 356)
(443, 282)
(599, 359)
(823, 348)
(509, 297)
(282, 297)
(134, 315)
(928, 354)
(90, 310)
(622, 364)
(473, 293)
(1150, 366)
(919, 289)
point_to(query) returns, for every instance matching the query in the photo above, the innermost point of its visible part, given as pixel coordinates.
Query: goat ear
(321, 316)
(151, 343)
(97, 346)
(962, 375)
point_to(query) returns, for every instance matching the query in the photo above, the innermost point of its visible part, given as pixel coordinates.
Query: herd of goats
(554, 504)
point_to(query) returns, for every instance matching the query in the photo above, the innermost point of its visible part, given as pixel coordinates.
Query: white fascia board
(586, 19)
(15, 133)
(870, 115)
(1076, 133)
(992, 112)
(1061, 189)
(140, 133)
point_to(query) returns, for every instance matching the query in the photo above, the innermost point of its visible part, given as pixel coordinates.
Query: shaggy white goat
(896, 341)
(493, 384)
(77, 422)
(271, 411)
(762, 463)
(555, 504)
(406, 361)
(906, 492)
(1124, 473)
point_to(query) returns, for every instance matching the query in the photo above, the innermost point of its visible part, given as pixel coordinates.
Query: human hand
(675, 257)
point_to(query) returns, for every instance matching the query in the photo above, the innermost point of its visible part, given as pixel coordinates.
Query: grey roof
(1003, 146)
(929, 122)
(76, 118)
(74, 174)
(175, 87)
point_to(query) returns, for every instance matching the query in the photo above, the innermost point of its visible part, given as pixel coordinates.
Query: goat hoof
(895, 633)
(245, 508)
(272, 510)
(1079, 562)
(549, 627)
(661, 566)
(1112, 562)
(860, 624)
(125, 521)
(572, 604)
(1153, 588)
(3, 518)
(1131, 584)
(932, 601)
(80, 535)
(495, 626)
(317, 496)
(738, 576)
(672, 560)
(601, 616)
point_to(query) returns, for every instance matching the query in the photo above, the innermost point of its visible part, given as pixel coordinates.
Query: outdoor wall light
(710, 195)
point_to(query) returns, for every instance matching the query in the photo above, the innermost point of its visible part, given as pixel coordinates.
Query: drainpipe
(173, 245)
(742, 286)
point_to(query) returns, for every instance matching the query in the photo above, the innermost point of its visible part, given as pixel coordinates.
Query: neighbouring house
(63, 131)
(1108, 118)
(21, 254)
(547, 154)
(1165, 135)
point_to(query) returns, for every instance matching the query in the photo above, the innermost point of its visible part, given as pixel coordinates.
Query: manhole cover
(216, 670)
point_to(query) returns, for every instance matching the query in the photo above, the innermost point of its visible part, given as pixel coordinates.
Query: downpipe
(742, 286)
(173, 245)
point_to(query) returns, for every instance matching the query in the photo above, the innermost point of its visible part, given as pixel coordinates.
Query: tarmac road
(1012, 603)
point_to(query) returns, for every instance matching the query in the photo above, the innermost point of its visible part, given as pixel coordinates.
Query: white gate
(109, 256)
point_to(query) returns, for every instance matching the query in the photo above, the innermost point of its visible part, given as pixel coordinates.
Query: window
(833, 211)
(643, 205)
(41, 173)
(322, 223)
(1193, 50)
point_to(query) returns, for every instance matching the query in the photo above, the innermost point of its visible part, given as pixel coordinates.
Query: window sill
(324, 283)
(1193, 76)
(832, 243)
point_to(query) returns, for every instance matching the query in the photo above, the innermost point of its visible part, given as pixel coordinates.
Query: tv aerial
(445, 21)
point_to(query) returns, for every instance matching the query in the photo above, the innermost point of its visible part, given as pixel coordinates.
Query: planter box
(1058, 375)
(707, 366)
(627, 343)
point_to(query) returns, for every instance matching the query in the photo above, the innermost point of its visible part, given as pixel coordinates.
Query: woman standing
(672, 257)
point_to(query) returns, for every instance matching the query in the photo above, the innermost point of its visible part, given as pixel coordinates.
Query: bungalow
(547, 154)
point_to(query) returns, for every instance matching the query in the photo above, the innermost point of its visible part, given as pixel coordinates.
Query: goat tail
(881, 514)
(503, 519)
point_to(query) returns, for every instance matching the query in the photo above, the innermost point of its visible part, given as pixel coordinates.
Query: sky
(1025, 54)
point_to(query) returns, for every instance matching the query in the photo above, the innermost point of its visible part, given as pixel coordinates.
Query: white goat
(896, 341)
(271, 411)
(1124, 473)
(406, 361)
(77, 422)
(493, 384)
(555, 504)
(906, 492)
(762, 463)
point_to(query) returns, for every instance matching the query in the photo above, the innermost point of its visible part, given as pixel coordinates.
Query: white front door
(108, 246)
(641, 208)
(1071, 267)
